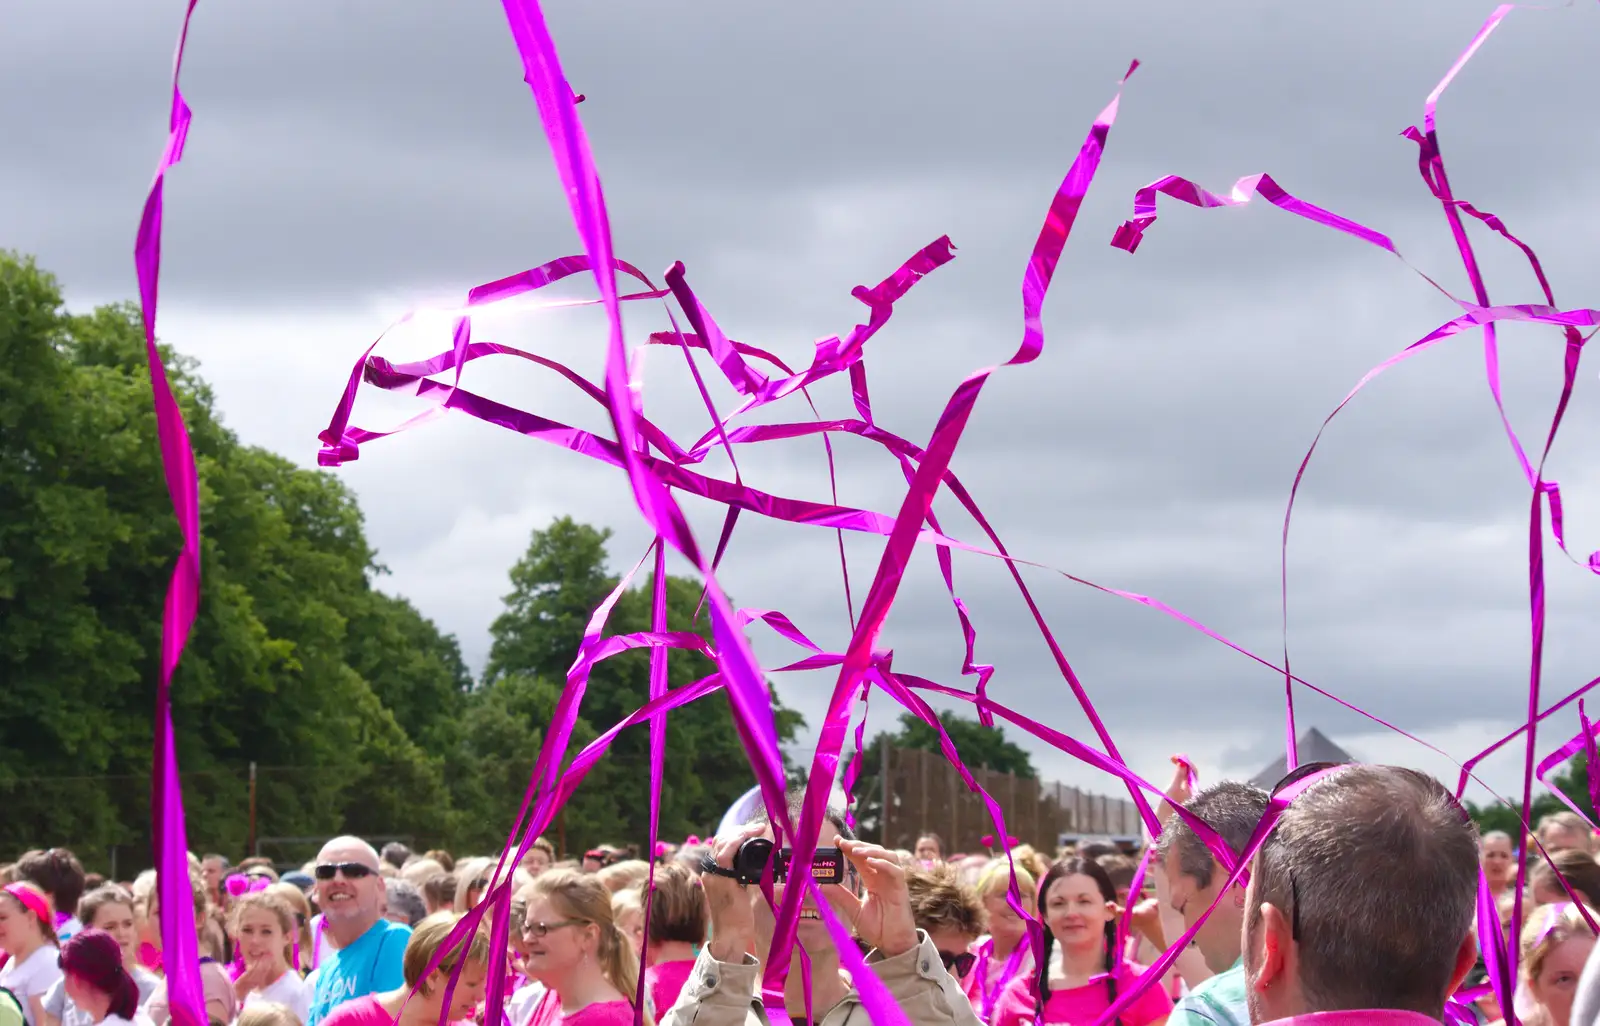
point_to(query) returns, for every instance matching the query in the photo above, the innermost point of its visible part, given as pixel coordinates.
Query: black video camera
(750, 863)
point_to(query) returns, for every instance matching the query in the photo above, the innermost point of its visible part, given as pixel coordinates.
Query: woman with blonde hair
(1005, 954)
(221, 1002)
(295, 898)
(627, 911)
(28, 936)
(426, 1007)
(627, 875)
(266, 1013)
(1556, 942)
(263, 928)
(472, 882)
(677, 927)
(576, 950)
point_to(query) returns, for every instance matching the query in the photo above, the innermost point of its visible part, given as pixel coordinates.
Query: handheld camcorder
(750, 863)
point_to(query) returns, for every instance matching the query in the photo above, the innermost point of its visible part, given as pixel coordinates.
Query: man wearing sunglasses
(724, 987)
(1361, 901)
(1193, 879)
(950, 914)
(369, 949)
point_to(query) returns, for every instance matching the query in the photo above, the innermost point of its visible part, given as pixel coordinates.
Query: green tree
(1573, 781)
(555, 586)
(293, 654)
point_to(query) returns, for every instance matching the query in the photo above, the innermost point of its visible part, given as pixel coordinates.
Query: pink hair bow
(692, 841)
(239, 884)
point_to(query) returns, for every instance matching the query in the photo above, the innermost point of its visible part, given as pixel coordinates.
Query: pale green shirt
(1219, 1001)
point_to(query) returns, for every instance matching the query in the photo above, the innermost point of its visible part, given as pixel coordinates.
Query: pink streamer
(180, 947)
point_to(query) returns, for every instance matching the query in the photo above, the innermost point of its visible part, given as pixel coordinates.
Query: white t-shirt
(288, 990)
(139, 1019)
(32, 977)
(57, 1003)
(521, 1003)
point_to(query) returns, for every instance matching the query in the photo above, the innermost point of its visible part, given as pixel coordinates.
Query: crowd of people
(1360, 906)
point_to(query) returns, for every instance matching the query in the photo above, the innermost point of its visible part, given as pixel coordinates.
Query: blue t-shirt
(372, 965)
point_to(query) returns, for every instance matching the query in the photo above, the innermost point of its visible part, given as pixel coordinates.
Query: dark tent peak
(1313, 746)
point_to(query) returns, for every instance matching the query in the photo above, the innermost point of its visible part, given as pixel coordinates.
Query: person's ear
(1274, 936)
(1466, 958)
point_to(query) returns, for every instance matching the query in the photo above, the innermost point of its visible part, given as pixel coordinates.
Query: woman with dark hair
(98, 983)
(59, 874)
(108, 908)
(1078, 983)
(929, 849)
(1577, 868)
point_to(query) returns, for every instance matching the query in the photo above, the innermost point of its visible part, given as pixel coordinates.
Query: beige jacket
(724, 994)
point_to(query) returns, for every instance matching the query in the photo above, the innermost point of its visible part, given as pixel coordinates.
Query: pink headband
(32, 902)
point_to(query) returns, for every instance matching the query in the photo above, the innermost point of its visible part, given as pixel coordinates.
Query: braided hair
(1060, 871)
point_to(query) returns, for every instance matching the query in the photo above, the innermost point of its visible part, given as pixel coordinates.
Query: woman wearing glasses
(1081, 974)
(576, 950)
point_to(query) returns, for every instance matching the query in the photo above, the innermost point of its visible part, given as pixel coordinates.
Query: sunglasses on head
(1295, 776)
(960, 964)
(351, 870)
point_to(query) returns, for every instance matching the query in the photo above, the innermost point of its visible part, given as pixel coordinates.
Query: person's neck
(22, 952)
(1221, 945)
(419, 1011)
(347, 932)
(828, 985)
(1001, 949)
(96, 1006)
(1078, 963)
(671, 951)
(585, 985)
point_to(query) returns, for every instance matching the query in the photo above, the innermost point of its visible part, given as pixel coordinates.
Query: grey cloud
(343, 159)
(398, 143)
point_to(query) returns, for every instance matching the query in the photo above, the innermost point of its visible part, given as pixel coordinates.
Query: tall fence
(925, 793)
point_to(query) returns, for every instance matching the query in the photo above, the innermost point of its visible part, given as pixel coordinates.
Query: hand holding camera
(881, 915)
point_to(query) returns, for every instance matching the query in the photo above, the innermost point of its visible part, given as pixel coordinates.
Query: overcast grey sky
(350, 160)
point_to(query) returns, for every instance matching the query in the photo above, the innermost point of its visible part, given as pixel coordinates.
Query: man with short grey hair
(370, 949)
(1193, 876)
(1361, 902)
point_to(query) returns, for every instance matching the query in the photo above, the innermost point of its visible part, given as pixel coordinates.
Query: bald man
(370, 949)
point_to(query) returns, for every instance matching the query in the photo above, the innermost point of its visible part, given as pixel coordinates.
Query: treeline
(359, 711)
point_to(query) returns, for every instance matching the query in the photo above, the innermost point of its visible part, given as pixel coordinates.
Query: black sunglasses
(1294, 776)
(960, 964)
(351, 870)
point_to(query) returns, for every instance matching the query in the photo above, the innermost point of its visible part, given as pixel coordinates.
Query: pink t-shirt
(987, 979)
(361, 1011)
(664, 982)
(548, 1013)
(1081, 1006)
